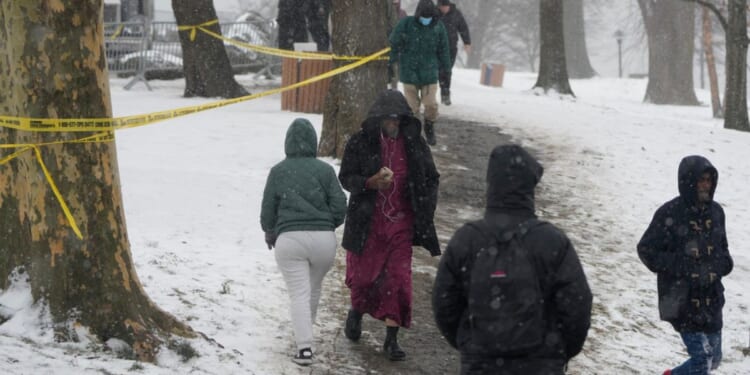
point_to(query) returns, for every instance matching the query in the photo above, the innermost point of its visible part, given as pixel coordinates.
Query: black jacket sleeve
(463, 29)
(350, 173)
(432, 177)
(448, 298)
(573, 302)
(567, 287)
(653, 248)
(723, 263)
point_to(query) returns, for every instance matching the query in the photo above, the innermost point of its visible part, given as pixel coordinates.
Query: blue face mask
(425, 20)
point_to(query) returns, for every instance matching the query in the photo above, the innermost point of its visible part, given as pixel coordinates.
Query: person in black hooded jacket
(455, 25)
(686, 246)
(512, 175)
(387, 214)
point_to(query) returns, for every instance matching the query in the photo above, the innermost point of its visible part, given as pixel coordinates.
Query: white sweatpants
(304, 258)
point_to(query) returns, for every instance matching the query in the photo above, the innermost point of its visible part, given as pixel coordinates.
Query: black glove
(270, 240)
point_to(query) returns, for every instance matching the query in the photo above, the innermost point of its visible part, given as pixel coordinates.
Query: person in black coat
(317, 13)
(362, 159)
(388, 169)
(686, 246)
(292, 23)
(456, 25)
(512, 175)
(296, 17)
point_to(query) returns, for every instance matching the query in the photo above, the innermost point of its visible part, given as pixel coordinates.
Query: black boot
(445, 99)
(429, 132)
(391, 347)
(353, 328)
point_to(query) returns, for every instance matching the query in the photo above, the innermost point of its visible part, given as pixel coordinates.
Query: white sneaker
(304, 357)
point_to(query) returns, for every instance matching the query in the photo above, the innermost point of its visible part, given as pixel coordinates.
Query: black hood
(691, 169)
(426, 8)
(450, 5)
(512, 175)
(391, 102)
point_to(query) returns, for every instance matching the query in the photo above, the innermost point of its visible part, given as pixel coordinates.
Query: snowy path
(192, 191)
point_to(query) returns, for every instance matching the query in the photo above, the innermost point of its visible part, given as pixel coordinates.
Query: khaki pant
(427, 95)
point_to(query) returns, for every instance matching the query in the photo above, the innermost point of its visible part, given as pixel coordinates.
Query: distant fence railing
(154, 50)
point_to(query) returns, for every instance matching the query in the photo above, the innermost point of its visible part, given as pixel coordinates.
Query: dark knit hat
(444, 2)
(426, 8)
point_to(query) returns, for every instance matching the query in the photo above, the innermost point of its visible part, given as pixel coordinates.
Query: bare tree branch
(713, 8)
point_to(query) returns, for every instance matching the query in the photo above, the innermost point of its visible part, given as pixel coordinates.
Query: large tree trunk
(577, 56)
(713, 79)
(351, 94)
(735, 100)
(52, 65)
(205, 61)
(553, 73)
(670, 27)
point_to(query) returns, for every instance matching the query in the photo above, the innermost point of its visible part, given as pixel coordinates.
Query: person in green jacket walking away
(303, 203)
(419, 44)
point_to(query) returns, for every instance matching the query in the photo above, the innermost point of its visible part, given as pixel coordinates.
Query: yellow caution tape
(108, 124)
(117, 32)
(101, 137)
(15, 154)
(59, 197)
(283, 52)
(194, 28)
(264, 49)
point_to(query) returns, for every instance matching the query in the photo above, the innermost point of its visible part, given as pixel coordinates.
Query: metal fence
(154, 50)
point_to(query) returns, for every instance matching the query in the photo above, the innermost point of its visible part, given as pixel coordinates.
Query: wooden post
(309, 98)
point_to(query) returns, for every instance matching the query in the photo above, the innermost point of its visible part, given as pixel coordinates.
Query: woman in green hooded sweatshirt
(302, 205)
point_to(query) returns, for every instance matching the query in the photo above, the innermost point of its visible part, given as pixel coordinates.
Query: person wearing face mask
(419, 44)
(686, 246)
(388, 169)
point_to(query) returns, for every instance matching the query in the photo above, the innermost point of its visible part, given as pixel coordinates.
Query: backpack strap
(491, 233)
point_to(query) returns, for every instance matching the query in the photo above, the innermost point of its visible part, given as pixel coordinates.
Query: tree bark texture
(735, 100)
(52, 65)
(208, 72)
(670, 29)
(553, 73)
(351, 94)
(577, 56)
(713, 79)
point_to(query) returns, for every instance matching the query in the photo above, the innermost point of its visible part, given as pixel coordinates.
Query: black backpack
(505, 304)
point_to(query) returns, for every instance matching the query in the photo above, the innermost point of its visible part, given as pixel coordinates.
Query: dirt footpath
(461, 157)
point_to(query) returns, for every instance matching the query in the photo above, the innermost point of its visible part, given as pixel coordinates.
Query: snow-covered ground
(192, 189)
